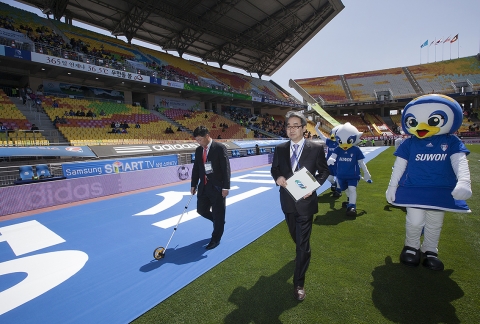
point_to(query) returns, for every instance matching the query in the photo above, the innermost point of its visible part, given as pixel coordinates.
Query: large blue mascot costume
(430, 175)
(331, 144)
(348, 159)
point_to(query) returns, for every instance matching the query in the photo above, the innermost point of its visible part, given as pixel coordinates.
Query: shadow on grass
(414, 295)
(265, 301)
(334, 215)
(187, 254)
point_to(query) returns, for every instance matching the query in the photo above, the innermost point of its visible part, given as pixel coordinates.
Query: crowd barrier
(22, 198)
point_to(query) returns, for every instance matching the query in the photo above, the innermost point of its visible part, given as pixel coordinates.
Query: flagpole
(458, 47)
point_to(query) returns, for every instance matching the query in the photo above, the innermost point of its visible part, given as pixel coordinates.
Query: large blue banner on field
(87, 169)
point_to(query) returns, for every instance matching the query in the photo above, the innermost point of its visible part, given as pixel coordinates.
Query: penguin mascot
(331, 144)
(430, 175)
(348, 160)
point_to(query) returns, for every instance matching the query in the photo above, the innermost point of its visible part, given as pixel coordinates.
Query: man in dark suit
(289, 157)
(211, 172)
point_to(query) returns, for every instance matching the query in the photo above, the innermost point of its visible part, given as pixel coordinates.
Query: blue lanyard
(299, 153)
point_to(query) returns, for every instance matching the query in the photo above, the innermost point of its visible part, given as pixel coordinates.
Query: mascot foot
(333, 187)
(351, 211)
(432, 262)
(337, 194)
(410, 256)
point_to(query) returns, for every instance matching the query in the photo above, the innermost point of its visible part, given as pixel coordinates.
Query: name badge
(208, 168)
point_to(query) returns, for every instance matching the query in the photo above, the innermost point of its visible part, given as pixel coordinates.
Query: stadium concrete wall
(27, 197)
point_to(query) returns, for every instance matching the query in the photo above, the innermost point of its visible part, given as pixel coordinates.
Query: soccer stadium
(98, 142)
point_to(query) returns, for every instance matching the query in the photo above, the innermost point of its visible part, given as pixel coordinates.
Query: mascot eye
(350, 141)
(411, 122)
(339, 141)
(435, 120)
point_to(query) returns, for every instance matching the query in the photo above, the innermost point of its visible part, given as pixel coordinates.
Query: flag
(454, 39)
(447, 40)
(424, 44)
(438, 42)
(432, 43)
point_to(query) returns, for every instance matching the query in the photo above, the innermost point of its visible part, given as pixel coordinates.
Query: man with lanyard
(211, 172)
(290, 156)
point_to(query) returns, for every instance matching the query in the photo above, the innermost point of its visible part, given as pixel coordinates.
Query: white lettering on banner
(29, 236)
(44, 272)
(430, 157)
(172, 221)
(170, 198)
(169, 147)
(75, 65)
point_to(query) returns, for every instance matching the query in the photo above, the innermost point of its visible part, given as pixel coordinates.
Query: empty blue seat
(26, 172)
(43, 171)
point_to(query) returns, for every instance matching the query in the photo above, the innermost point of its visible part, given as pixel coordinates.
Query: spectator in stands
(257, 149)
(112, 125)
(90, 113)
(137, 125)
(219, 136)
(214, 126)
(3, 129)
(102, 113)
(125, 125)
(34, 127)
(117, 124)
(55, 104)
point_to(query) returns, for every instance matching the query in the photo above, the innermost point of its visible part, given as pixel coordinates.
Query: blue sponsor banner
(81, 151)
(88, 169)
(17, 53)
(2, 50)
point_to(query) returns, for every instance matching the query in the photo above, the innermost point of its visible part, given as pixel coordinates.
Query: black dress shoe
(410, 256)
(299, 293)
(212, 245)
(432, 262)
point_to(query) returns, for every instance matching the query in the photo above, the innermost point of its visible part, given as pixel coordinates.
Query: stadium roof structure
(255, 36)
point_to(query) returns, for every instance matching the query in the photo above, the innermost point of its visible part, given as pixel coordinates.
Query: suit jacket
(218, 156)
(313, 159)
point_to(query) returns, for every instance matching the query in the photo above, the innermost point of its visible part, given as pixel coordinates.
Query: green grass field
(354, 276)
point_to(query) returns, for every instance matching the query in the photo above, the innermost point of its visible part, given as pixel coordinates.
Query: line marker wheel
(159, 253)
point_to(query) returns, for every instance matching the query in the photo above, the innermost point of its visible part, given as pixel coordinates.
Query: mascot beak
(345, 146)
(424, 130)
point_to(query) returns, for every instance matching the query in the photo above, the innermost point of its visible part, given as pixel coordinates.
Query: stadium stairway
(41, 119)
(171, 121)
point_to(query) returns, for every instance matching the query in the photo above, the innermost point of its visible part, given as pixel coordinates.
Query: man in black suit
(289, 157)
(211, 172)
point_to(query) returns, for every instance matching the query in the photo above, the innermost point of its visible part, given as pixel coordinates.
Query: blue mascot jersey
(347, 162)
(429, 179)
(331, 145)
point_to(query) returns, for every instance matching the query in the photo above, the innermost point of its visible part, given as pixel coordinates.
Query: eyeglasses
(294, 127)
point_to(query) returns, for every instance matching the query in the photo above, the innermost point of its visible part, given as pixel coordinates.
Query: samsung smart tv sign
(88, 169)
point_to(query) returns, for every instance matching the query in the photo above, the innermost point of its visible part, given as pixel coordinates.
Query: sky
(372, 35)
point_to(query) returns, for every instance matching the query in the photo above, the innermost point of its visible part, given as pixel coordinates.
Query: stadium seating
(329, 88)
(42, 171)
(26, 172)
(364, 85)
(440, 77)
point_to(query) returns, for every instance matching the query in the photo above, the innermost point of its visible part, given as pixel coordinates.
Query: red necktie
(204, 161)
